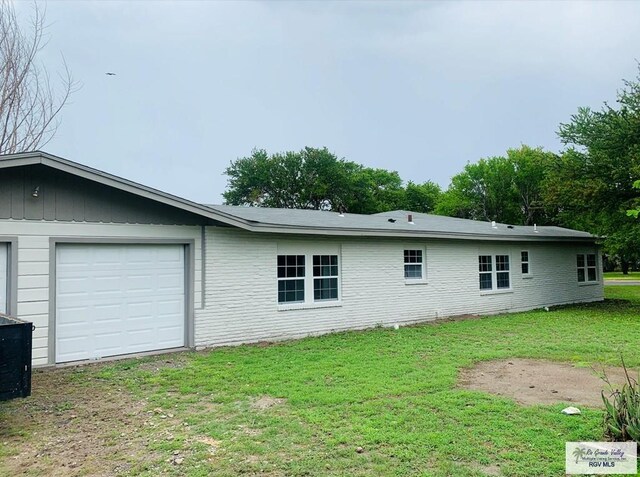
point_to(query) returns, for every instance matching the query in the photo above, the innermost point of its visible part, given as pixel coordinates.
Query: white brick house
(106, 267)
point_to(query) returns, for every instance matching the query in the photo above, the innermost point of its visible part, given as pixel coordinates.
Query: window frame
(485, 269)
(526, 262)
(422, 279)
(295, 278)
(321, 277)
(12, 274)
(585, 268)
(495, 269)
(310, 277)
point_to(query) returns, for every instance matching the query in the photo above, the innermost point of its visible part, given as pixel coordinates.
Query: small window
(291, 272)
(485, 268)
(581, 272)
(524, 262)
(325, 277)
(413, 265)
(592, 274)
(587, 267)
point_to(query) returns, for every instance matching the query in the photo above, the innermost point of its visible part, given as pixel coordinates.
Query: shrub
(622, 410)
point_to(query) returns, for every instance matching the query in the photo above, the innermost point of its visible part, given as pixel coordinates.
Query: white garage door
(118, 299)
(4, 249)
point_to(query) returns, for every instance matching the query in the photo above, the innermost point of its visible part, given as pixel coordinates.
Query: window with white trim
(291, 272)
(413, 264)
(325, 277)
(587, 267)
(502, 271)
(524, 262)
(486, 272)
(494, 272)
(296, 285)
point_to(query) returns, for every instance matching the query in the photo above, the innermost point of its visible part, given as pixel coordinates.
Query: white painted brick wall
(241, 285)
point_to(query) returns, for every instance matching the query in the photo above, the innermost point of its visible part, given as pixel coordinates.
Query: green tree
(591, 185)
(311, 179)
(422, 197)
(373, 190)
(505, 189)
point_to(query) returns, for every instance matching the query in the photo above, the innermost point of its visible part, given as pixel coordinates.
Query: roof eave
(39, 157)
(271, 228)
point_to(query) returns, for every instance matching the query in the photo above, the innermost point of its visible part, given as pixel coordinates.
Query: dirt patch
(74, 425)
(488, 470)
(158, 363)
(266, 402)
(530, 381)
(213, 444)
(249, 431)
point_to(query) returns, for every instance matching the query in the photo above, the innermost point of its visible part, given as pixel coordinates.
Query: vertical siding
(65, 197)
(241, 298)
(33, 263)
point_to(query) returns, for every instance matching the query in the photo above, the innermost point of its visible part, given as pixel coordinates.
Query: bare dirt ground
(531, 381)
(87, 429)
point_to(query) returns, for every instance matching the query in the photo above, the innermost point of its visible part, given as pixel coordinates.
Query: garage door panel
(169, 308)
(170, 282)
(140, 336)
(106, 283)
(168, 333)
(75, 348)
(71, 286)
(74, 315)
(121, 299)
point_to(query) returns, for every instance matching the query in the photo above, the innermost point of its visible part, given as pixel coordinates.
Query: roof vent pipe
(535, 228)
(410, 218)
(493, 224)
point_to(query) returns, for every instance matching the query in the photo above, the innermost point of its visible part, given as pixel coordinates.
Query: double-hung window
(414, 264)
(485, 267)
(587, 267)
(494, 272)
(307, 278)
(325, 277)
(291, 274)
(502, 271)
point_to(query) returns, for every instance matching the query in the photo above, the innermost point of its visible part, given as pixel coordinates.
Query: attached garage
(114, 299)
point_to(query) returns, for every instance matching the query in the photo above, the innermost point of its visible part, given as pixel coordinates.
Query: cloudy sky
(417, 87)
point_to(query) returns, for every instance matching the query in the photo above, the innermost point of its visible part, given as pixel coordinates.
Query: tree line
(317, 179)
(592, 185)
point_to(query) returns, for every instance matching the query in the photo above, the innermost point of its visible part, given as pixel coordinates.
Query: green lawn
(620, 276)
(392, 393)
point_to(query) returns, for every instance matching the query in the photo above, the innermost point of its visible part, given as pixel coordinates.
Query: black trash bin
(15, 357)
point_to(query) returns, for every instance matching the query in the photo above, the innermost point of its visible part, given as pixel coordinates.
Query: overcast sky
(417, 87)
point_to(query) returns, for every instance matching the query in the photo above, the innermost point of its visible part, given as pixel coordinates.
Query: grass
(391, 393)
(621, 276)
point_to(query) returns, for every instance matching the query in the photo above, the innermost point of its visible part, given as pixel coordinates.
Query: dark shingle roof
(394, 223)
(311, 222)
